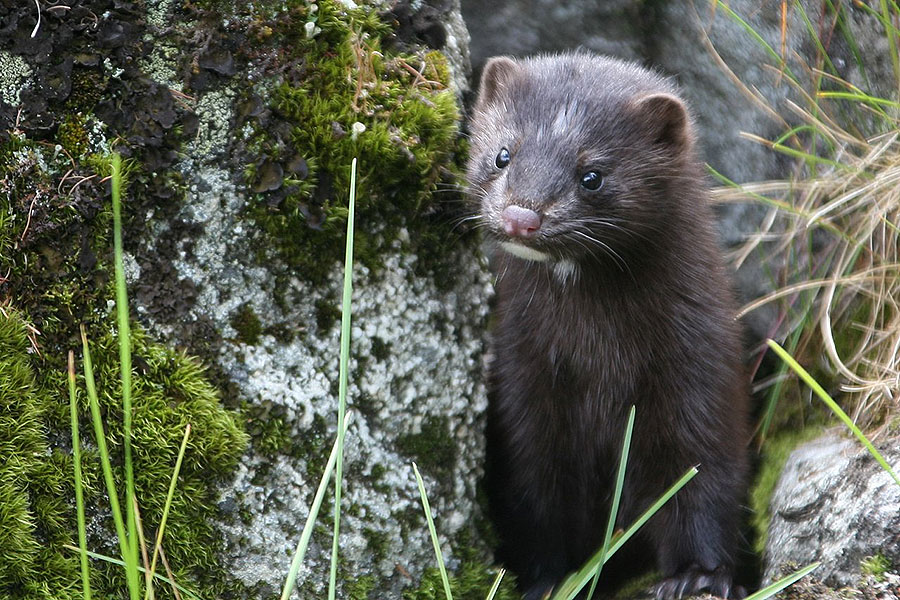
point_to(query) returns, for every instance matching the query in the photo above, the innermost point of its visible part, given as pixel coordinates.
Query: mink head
(579, 157)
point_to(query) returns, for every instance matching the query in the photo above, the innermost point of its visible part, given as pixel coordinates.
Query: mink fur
(609, 298)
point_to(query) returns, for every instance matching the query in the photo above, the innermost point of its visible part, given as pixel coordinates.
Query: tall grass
(342, 392)
(131, 542)
(831, 236)
(79, 494)
(128, 531)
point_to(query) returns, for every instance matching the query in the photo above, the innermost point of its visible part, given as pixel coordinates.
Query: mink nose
(520, 222)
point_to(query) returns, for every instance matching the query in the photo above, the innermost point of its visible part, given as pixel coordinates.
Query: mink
(610, 292)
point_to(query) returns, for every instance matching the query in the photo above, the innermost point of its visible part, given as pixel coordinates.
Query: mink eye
(502, 158)
(591, 181)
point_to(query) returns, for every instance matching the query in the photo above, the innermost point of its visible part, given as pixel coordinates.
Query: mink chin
(610, 293)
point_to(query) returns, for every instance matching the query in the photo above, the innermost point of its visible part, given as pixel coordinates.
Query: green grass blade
(104, 455)
(759, 40)
(814, 35)
(79, 494)
(434, 538)
(892, 41)
(125, 367)
(823, 395)
(115, 561)
(496, 585)
(168, 505)
(847, 33)
(874, 101)
(297, 562)
(342, 390)
(617, 497)
(576, 581)
(771, 590)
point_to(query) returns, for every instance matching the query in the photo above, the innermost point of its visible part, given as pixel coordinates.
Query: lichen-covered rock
(414, 386)
(239, 122)
(835, 504)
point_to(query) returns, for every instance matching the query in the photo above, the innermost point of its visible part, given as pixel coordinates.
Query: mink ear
(668, 117)
(497, 73)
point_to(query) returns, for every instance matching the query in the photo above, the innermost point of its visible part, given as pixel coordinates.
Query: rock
(189, 95)
(835, 504)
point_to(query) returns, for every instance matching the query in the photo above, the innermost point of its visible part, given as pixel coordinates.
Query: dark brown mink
(610, 292)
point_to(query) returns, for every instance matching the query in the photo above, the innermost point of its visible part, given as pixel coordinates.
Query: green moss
(359, 589)
(33, 479)
(472, 581)
(349, 98)
(433, 448)
(72, 134)
(775, 453)
(377, 543)
(247, 325)
(876, 566)
(36, 516)
(270, 433)
(55, 256)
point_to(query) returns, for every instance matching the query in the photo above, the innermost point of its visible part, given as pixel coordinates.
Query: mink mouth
(517, 248)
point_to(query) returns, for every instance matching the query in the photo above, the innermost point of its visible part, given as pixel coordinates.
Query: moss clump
(876, 566)
(348, 97)
(34, 480)
(433, 448)
(268, 428)
(36, 515)
(169, 391)
(247, 325)
(361, 588)
(55, 259)
(72, 134)
(52, 238)
(472, 581)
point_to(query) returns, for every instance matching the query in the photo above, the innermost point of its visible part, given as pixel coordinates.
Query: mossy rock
(37, 516)
(347, 96)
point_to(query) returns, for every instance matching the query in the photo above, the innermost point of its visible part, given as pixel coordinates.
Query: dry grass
(830, 238)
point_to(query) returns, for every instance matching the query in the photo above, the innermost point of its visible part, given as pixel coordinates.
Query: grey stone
(835, 504)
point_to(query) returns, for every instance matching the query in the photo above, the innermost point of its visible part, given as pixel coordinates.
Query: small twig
(182, 98)
(62, 181)
(80, 181)
(420, 78)
(165, 561)
(28, 220)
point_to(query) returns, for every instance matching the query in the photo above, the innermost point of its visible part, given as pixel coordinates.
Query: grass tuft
(831, 237)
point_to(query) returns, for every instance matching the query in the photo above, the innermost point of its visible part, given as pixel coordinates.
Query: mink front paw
(695, 580)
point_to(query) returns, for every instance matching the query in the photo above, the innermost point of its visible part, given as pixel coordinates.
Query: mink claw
(693, 581)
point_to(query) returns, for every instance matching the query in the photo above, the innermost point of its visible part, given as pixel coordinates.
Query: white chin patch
(524, 252)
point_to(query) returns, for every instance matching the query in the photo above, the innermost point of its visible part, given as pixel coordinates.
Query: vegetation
(349, 95)
(831, 238)
(346, 94)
